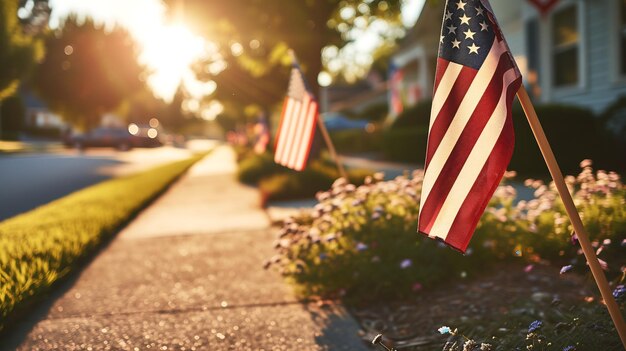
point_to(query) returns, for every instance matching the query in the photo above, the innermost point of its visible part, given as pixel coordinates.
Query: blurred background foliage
(255, 35)
(88, 71)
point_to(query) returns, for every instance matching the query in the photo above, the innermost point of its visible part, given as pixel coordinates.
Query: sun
(168, 52)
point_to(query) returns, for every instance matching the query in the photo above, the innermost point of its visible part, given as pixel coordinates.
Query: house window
(566, 43)
(622, 29)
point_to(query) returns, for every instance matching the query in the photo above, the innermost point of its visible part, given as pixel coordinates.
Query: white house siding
(600, 85)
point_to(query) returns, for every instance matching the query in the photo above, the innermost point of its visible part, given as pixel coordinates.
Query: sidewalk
(187, 274)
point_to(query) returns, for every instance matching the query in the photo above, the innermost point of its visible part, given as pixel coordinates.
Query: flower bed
(360, 242)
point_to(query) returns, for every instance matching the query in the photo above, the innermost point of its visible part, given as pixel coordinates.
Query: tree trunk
(0, 119)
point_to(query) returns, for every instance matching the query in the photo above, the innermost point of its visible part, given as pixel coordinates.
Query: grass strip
(39, 247)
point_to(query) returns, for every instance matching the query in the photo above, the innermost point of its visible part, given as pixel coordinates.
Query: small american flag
(471, 137)
(297, 124)
(396, 77)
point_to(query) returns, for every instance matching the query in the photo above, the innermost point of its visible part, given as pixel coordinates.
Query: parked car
(336, 122)
(119, 138)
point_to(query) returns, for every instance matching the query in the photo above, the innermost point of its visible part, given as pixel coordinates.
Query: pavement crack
(183, 310)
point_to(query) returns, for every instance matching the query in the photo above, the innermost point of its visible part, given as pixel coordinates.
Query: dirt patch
(506, 290)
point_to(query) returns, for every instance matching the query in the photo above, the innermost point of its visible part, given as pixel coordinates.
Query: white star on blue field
(466, 34)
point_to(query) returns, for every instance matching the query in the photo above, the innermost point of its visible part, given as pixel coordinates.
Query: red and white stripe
(470, 144)
(296, 132)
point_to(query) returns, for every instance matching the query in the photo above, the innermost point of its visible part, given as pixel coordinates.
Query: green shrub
(317, 176)
(12, 114)
(361, 241)
(375, 113)
(356, 141)
(417, 116)
(573, 133)
(39, 247)
(254, 167)
(281, 183)
(614, 125)
(405, 145)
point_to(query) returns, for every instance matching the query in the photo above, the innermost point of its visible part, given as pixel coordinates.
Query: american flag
(297, 124)
(395, 89)
(470, 141)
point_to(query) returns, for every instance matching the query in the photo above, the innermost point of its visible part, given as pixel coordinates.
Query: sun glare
(167, 49)
(169, 52)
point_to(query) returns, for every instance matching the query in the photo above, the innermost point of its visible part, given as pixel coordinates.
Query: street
(31, 180)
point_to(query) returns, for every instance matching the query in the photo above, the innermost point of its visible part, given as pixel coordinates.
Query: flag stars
(451, 29)
(465, 19)
(441, 39)
(448, 16)
(479, 11)
(484, 26)
(456, 44)
(473, 49)
(461, 5)
(469, 34)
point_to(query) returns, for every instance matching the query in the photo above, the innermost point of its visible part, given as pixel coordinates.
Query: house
(575, 53)
(37, 115)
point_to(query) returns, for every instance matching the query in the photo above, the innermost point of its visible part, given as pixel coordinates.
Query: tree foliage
(88, 71)
(255, 35)
(19, 51)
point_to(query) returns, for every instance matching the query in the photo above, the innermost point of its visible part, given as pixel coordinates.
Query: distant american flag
(395, 89)
(297, 124)
(471, 137)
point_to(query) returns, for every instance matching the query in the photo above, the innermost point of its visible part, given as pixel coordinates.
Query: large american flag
(471, 137)
(297, 124)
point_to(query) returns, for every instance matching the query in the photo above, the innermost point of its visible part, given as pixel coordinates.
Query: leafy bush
(12, 113)
(375, 112)
(41, 246)
(356, 141)
(254, 167)
(417, 116)
(405, 145)
(361, 241)
(614, 124)
(296, 185)
(573, 132)
(281, 183)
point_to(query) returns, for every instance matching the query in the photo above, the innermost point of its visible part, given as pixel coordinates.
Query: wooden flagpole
(322, 127)
(572, 212)
(331, 147)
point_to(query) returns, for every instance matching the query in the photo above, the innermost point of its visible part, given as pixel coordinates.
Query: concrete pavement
(187, 275)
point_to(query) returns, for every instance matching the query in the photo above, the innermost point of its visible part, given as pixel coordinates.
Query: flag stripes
(297, 127)
(471, 135)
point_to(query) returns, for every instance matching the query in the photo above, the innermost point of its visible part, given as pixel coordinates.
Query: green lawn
(41, 246)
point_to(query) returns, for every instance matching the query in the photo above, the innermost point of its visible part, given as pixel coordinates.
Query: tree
(88, 71)
(19, 51)
(255, 34)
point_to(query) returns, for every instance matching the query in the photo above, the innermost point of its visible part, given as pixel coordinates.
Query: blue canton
(467, 33)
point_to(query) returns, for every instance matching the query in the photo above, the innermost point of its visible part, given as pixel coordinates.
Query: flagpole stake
(378, 340)
(331, 148)
(572, 212)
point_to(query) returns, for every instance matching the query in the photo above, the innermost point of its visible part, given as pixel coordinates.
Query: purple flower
(566, 269)
(534, 326)
(406, 264)
(624, 243)
(444, 330)
(574, 239)
(619, 292)
(361, 247)
(323, 256)
(376, 215)
(569, 348)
